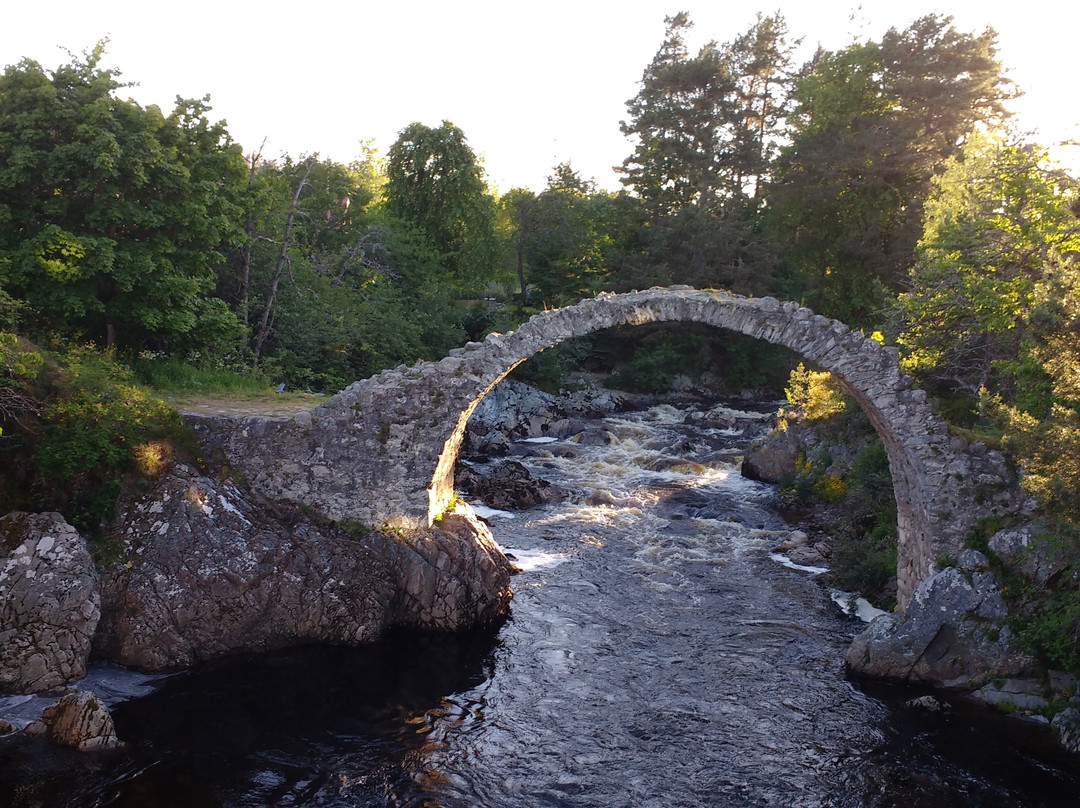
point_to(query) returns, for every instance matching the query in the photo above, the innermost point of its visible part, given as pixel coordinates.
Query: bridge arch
(383, 449)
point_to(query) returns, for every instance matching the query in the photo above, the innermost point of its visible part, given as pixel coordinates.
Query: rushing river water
(656, 656)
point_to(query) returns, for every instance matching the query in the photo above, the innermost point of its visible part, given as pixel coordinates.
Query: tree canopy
(114, 218)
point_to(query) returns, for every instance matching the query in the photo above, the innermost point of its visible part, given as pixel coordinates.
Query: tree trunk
(283, 257)
(249, 231)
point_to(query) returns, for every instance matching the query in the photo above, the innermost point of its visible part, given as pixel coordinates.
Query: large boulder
(774, 458)
(49, 603)
(204, 569)
(79, 720)
(449, 577)
(951, 635)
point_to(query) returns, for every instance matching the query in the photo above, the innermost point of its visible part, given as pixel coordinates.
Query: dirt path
(274, 406)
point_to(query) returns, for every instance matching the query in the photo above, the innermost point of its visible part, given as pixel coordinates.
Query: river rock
(951, 634)
(773, 458)
(518, 410)
(449, 577)
(206, 569)
(49, 603)
(1024, 694)
(484, 444)
(509, 487)
(1067, 725)
(807, 556)
(6, 727)
(795, 539)
(926, 703)
(79, 720)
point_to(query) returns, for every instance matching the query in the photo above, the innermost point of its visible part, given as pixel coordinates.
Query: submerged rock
(951, 634)
(206, 569)
(49, 603)
(79, 720)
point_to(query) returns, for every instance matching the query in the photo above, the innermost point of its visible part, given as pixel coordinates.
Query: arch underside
(864, 368)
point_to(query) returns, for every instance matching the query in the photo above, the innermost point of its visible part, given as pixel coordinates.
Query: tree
(705, 127)
(279, 266)
(114, 218)
(435, 183)
(515, 223)
(996, 217)
(568, 237)
(871, 125)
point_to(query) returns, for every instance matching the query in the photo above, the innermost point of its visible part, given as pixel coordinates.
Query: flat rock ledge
(204, 568)
(952, 634)
(49, 603)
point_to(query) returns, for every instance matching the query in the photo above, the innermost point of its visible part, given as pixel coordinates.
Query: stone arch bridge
(383, 449)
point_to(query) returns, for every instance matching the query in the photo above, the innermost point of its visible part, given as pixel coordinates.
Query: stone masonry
(383, 449)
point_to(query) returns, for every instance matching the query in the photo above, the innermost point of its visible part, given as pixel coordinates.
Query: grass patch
(991, 436)
(177, 379)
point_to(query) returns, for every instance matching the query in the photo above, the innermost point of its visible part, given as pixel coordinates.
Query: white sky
(530, 83)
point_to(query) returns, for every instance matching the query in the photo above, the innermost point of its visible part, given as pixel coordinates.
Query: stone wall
(383, 449)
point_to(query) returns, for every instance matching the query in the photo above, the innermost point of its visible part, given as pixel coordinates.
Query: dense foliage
(880, 184)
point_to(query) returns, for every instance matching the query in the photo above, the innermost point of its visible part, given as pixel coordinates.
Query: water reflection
(314, 725)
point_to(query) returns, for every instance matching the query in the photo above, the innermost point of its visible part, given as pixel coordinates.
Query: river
(656, 655)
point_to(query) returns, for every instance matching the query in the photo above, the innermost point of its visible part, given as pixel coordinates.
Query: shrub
(814, 395)
(864, 541)
(93, 429)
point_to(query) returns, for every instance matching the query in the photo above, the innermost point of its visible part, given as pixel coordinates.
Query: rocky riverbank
(955, 633)
(199, 568)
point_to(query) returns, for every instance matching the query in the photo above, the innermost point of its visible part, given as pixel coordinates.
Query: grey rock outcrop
(513, 410)
(49, 603)
(1019, 547)
(206, 569)
(950, 635)
(79, 720)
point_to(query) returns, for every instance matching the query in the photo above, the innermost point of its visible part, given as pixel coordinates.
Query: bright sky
(530, 84)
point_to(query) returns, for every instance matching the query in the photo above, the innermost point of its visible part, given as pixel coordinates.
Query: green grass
(175, 378)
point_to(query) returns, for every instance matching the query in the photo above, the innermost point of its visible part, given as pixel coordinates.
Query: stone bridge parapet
(383, 449)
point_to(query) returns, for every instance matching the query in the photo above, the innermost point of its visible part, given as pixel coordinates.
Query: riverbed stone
(49, 603)
(951, 634)
(1022, 694)
(205, 568)
(79, 720)
(509, 487)
(774, 457)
